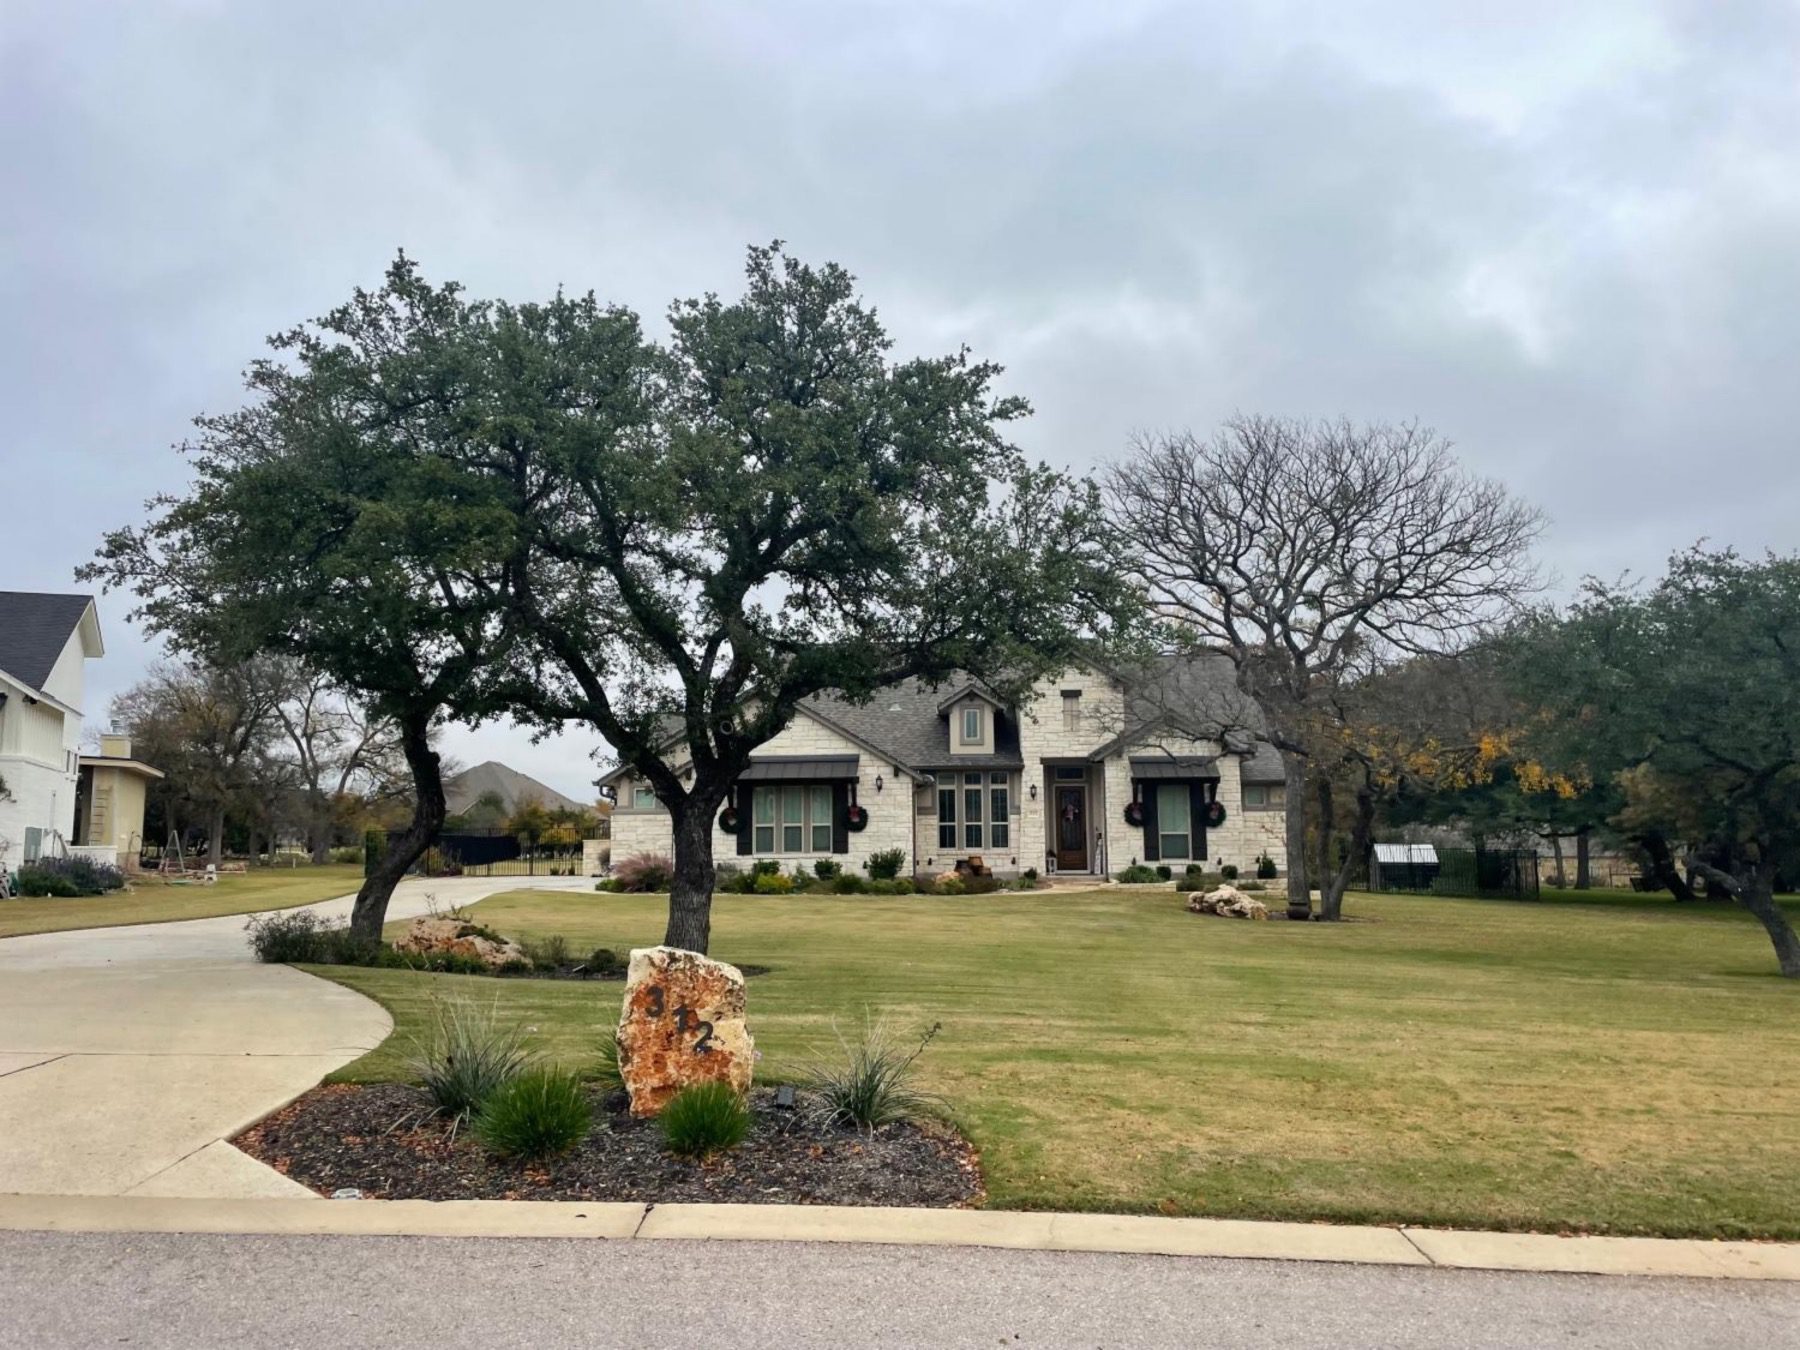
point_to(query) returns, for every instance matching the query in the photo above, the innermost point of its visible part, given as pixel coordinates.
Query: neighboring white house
(1087, 777)
(44, 641)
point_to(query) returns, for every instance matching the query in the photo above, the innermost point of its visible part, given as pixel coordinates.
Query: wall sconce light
(1034, 792)
(877, 782)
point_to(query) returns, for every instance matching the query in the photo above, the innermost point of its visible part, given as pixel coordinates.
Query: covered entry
(1174, 797)
(1069, 830)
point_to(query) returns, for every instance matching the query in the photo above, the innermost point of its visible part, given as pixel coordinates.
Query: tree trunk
(1662, 865)
(215, 848)
(1323, 825)
(691, 892)
(1298, 896)
(1333, 885)
(1754, 889)
(370, 910)
(1583, 879)
(1556, 848)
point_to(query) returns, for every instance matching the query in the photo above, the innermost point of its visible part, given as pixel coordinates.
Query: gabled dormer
(974, 716)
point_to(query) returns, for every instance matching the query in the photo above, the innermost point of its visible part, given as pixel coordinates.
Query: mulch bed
(380, 1139)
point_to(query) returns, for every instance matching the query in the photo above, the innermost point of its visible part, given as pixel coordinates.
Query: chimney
(115, 746)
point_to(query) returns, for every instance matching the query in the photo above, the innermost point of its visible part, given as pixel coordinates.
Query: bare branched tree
(1305, 551)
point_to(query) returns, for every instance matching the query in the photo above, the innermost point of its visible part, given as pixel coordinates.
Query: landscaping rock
(1230, 903)
(683, 1023)
(436, 934)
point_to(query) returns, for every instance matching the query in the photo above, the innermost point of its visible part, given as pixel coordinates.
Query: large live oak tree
(327, 521)
(1311, 553)
(1692, 689)
(766, 509)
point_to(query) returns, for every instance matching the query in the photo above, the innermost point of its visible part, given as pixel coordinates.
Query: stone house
(1092, 773)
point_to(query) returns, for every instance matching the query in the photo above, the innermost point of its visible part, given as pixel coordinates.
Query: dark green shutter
(743, 814)
(1152, 844)
(840, 817)
(1197, 816)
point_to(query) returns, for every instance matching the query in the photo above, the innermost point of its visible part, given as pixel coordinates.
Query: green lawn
(1627, 1066)
(152, 900)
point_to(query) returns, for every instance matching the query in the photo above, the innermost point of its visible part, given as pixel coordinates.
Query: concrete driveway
(128, 1055)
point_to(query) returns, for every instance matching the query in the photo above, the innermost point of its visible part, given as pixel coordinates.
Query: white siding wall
(890, 810)
(39, 747)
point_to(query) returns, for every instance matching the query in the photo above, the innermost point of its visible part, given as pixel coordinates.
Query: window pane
(1174, 847)
(946, 803)
(947, 835)
(764, 841)
(793, 806)
(645, 798)
(971, 836)
(765, 807)
(972, 805)
(1253, 796)
(971, 724)
(1172, 820)
(793, 838)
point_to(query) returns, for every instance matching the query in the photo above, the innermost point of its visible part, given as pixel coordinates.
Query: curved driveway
(128, 1055)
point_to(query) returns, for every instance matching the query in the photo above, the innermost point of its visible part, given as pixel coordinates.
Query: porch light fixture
(1034, 792)
(877, 782)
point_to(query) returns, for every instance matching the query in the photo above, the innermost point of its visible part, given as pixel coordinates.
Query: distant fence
(1502, 874)
(491, 855)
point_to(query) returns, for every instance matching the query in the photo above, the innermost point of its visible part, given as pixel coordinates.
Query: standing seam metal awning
(800, 768)
(1174, 766)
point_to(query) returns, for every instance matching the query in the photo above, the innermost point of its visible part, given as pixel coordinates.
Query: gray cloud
(1565, 239)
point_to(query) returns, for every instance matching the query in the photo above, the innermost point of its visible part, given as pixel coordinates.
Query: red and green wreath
(728, 820)
(856, 817)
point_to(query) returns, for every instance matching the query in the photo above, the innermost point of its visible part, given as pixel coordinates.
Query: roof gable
(35, 627)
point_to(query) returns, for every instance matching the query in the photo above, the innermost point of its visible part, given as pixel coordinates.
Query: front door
(1071, 828)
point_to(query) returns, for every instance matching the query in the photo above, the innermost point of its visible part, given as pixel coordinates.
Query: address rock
(682, 1023)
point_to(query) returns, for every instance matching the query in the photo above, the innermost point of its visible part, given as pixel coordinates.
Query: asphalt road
(60, 1290)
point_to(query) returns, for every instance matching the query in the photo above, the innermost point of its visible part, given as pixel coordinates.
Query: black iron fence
(1502, 874)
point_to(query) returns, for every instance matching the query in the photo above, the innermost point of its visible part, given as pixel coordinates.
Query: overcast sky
(1566, 235)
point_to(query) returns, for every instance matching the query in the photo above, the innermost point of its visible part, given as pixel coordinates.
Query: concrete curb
(1117, 1233)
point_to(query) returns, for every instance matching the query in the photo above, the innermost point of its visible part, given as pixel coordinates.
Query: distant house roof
(513, 788)
(1406, 853)
(34, 629)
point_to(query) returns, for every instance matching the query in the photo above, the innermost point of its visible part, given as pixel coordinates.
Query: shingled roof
(34, 629)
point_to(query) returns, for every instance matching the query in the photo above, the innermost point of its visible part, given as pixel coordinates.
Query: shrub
(283, 938)
(980, 885)
(891, 886)
(764, 867)
(538, 1114)
(774, 883)
(949, 886)
(1193, 870)
(607, 1073)
(610, 884)
(1029, 874)
(848, 883)
(1137, 875)
(550, 953)
(350, 853)
(1265, 868)
(825, 869)
(704, 1119)
(1228, 871)
(1164, 871)
(645, 872)
(36, 881)
(886, 865)
(873, 1085)
(1022, 883)
(1190, 883)
(604, 960)
(466, 1055)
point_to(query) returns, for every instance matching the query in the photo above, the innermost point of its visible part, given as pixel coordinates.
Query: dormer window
(971, 726)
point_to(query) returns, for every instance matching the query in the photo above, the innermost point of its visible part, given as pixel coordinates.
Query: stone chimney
(115, 746)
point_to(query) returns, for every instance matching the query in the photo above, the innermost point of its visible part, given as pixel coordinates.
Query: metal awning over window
(1174, 766)
(800, 769)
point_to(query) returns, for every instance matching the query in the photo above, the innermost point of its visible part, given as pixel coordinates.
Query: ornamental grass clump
(539, 1114)
(704, 1119)
(467, 1055)
(873, 1085)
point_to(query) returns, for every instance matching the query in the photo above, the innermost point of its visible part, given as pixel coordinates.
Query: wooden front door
(1071, 828)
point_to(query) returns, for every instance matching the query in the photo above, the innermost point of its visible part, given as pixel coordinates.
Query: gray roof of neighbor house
(34, 629)
(468, 787)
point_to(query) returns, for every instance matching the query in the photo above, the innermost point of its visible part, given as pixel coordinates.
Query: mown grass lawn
(1624, 1066)
(152, 900)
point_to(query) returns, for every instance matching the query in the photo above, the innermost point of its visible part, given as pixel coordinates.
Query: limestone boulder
(1228, 902)
(433, 934)
(682, 1023)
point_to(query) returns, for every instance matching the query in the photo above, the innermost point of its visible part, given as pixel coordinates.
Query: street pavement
(189, 1292)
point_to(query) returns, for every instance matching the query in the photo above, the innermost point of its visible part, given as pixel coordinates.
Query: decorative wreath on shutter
(1134, 814)
(856, 817)
(1215, 815)
(728, 820)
